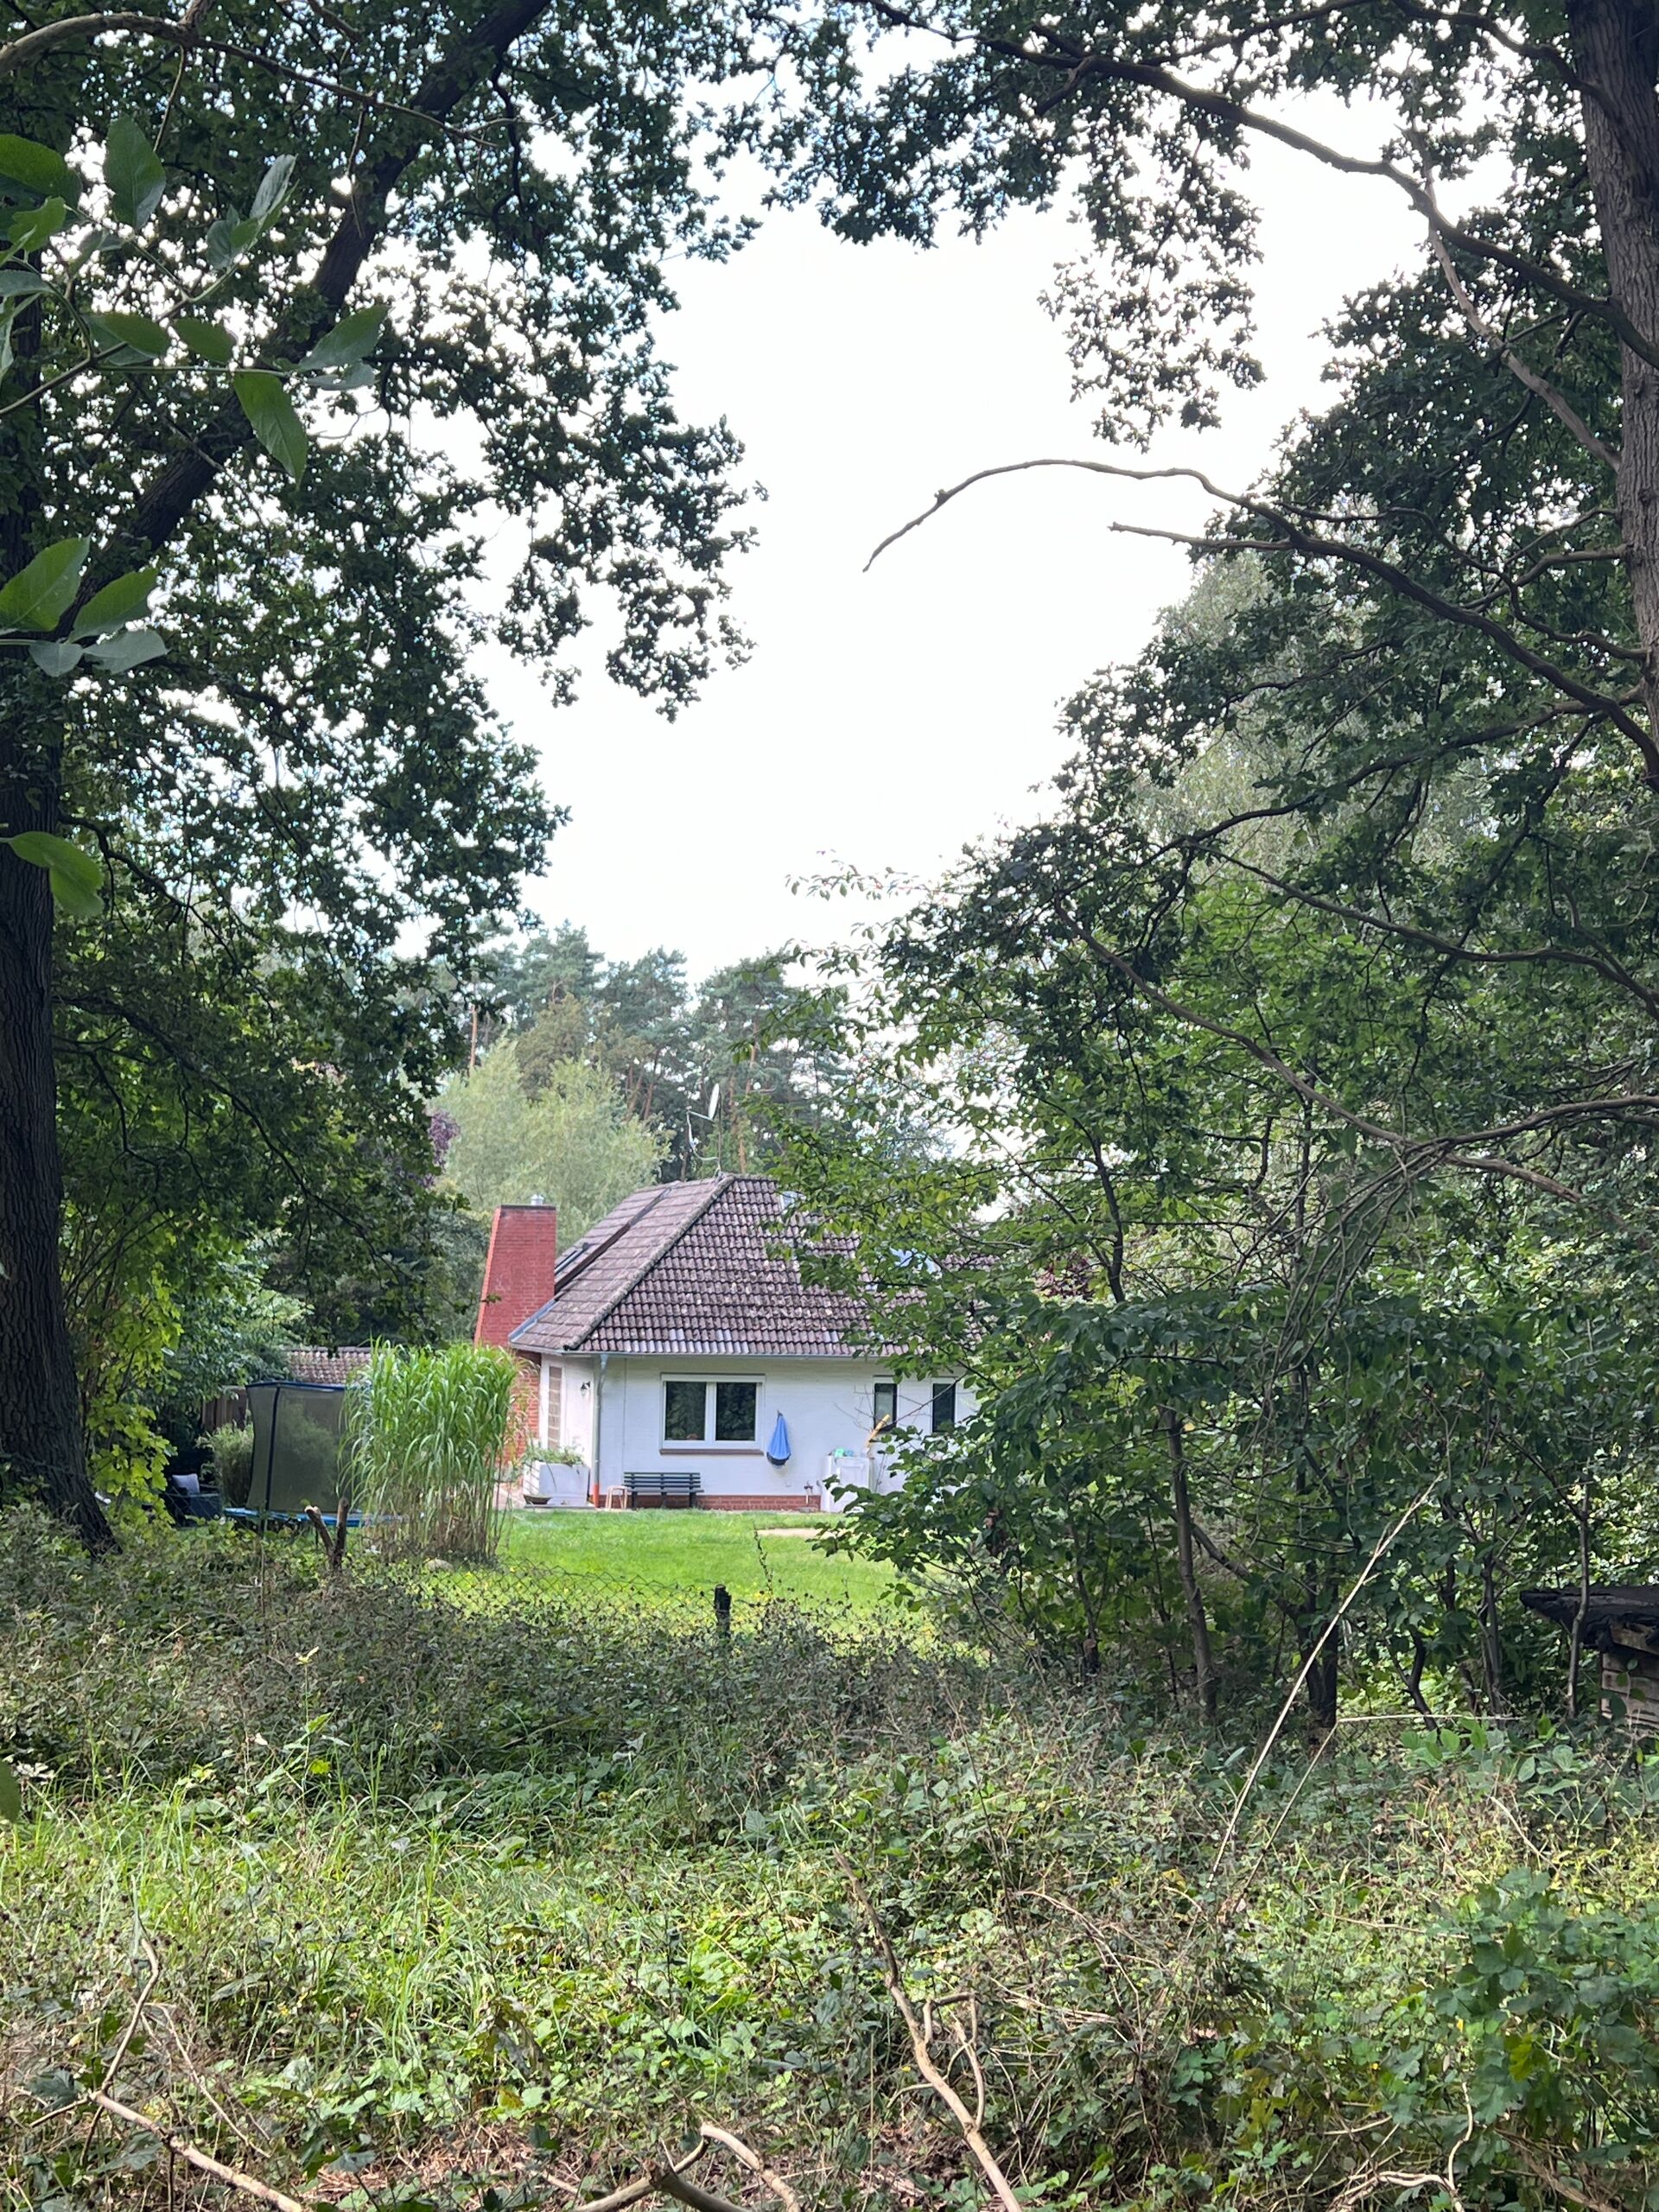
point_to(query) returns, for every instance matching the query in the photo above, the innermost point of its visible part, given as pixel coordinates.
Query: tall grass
(427, 1434)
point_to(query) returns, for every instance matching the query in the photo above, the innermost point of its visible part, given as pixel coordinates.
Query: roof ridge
(717, 1184)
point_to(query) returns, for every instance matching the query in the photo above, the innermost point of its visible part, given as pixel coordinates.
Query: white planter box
(845, 1473)
(551, 1482)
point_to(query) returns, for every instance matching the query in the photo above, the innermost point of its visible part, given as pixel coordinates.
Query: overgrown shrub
(232, 1449)
(432, 1861)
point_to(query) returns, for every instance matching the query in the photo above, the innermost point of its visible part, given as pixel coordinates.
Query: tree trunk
(1616, 46)
(1322, 1684)
(1414, 1678)
(1204, 1672)
(41, 1449)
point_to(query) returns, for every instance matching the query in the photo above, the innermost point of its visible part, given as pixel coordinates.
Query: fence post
(723, 1612)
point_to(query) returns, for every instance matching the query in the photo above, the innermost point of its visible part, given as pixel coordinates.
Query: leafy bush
(232, 1329)
(232, 1450)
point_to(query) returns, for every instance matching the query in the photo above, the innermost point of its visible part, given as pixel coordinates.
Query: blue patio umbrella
(778, 1449)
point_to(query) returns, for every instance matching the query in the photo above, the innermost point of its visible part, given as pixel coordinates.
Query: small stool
(616, 1497)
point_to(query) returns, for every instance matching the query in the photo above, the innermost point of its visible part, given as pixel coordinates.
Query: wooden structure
(1620, 1623)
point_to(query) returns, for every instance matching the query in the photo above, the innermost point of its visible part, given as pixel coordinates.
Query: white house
(676, 1340)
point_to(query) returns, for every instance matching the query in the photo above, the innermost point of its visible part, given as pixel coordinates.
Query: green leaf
(57, 656)
(273, 188)
(271, 412)
(11, 1793)
(122, 600)
(208, 341)
(37, 595)
(20, 284)
(134, 174)
(221, 254)
(84, 904)
(43, 849)
(352, 338)
(129, 334)
(33, 227)
(76, 878)
(35, 169)
(127, 649)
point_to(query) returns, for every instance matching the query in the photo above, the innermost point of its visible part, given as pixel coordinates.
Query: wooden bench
(673, 1488)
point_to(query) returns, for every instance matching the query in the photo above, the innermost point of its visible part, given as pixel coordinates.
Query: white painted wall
(827, 1404)
(574, 1397)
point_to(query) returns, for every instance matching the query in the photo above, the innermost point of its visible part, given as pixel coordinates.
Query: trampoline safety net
(296, 1430)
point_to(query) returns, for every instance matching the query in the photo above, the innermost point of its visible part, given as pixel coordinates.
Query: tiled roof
(692, 1267)
(519, 1271)
(312, 1364)
(606, 1262)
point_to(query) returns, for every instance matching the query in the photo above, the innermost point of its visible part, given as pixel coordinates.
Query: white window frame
(885, 1382)
(923, 1414)
(710, 1383)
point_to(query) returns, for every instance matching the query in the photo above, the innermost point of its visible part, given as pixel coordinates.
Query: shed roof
(329, 1366)
(693, 1268)
(1634, 1605)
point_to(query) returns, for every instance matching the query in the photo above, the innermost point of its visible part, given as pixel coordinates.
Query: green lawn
(683, 1553)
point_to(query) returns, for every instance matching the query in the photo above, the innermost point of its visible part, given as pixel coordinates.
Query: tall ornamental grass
(428, 1433)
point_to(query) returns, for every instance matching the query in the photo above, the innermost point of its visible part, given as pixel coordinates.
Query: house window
(884, 1412)
(711, 1413)
(945, 1407)
(685, 1413)
(737, 1406)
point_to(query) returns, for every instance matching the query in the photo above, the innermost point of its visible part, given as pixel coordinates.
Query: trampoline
(296, 1438)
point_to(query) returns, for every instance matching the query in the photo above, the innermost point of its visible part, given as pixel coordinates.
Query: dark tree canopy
(306, 801)
(1306, 1049)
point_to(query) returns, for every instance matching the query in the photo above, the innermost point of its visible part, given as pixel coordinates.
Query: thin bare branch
(1395, 1140)
(671, 2182)
(69, 29)
(635, 2192)
(1573, 2192)
(232, 2176)
(744, 2157)
(1610, 971)
(137, 2014)
(1384, 1544)
(1297, 537)
(984, 2156)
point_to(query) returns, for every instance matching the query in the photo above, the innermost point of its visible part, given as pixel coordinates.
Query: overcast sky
(885, 719)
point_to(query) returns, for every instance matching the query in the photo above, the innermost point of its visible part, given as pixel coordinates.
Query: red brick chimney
(519, 1273)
